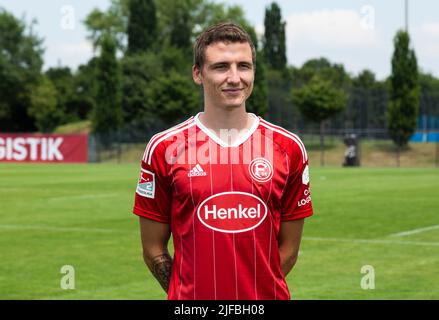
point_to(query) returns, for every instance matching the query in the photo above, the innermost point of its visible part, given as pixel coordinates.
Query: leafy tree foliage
(85, 90)
(318, 101)
(173, 97)
(62, 79)
(44, 106)
(108, 113)
(258, 101)
(274, 38)
(332, 72)
(20, 67)
(142, 26)
(113, 22)
(404, 91)
(138, 72)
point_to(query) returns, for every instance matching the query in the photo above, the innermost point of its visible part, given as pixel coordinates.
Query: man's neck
(228, 125)
(220, 119)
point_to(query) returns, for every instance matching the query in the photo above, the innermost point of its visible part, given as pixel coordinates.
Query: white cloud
(332, 28)
(430, 29)
(72, 49)
(260, 29)
(427, 39)
(69, 54)
(426, 42)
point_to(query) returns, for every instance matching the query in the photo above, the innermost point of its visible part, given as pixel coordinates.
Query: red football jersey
(225, 203)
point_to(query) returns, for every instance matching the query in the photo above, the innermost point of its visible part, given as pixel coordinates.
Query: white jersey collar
(223, 143)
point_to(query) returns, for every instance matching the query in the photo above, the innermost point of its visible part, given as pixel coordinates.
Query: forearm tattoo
(161, 269)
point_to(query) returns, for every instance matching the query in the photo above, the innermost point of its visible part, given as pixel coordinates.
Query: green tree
(180, 22)
(279, 97)
(429, 87)
(367, 103)
(365, 79)
(323, 69)
(138, 73)
(274, 52)
(403, 105)
(174, 97)
(107, 115)
(274, 38)
(113, 22)
(44, 106)
(258, 101)
(181, 27)
(429, 103)
(85, 89)
(76, 93)
(210, 13)
(63, 80)
(318, 101)
(142, 26)
(429, 83)
(177, 21)
(332, 72)
(20, 70)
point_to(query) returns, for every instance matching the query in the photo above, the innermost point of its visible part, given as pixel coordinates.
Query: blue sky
(356, 33)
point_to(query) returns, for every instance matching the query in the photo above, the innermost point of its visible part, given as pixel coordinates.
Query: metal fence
(364, 116)
(365, 113)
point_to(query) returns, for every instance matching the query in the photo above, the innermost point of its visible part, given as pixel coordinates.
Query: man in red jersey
(231, 188)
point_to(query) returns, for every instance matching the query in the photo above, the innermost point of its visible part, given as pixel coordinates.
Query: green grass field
(80, 215)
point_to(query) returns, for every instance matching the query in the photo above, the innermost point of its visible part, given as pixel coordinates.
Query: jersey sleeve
(153, 192)
(296, 198)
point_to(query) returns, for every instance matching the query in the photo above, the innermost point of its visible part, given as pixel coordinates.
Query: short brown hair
(221, 32)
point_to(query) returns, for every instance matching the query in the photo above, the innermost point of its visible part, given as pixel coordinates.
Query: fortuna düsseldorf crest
(261, 169)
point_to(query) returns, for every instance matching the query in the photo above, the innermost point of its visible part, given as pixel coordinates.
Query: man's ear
(196, 75)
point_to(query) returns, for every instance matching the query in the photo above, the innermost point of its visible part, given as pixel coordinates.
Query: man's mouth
(232, 90)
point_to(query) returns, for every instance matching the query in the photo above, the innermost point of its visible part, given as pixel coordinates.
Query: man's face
(227, 74)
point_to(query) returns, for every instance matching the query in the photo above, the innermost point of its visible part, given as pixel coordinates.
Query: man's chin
(231, 106)
(234, 104)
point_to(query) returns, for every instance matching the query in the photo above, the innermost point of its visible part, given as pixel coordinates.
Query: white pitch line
(375, 241)
(414, 231)
(82, 196)
(56, 229)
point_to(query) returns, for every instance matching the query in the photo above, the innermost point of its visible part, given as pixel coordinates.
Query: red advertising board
(43, 148)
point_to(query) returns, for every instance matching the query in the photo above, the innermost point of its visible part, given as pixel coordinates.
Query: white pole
(406, 16)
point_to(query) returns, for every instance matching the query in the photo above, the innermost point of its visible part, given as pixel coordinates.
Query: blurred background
(91, 81)
(120, 71)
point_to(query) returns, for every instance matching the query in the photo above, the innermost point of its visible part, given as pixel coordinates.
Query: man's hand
(155, 237)
(290, 234)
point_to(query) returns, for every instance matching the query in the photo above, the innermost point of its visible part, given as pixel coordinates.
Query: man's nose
(233, 75)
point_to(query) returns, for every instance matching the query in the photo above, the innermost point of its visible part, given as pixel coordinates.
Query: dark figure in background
(351, 154)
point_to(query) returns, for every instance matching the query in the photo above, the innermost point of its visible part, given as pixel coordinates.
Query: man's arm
(290, 234)
(155, 237)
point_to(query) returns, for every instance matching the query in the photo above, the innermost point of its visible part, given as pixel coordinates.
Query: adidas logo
(196, 171)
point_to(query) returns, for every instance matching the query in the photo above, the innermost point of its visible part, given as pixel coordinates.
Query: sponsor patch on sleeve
(305, 175)
(146, 185)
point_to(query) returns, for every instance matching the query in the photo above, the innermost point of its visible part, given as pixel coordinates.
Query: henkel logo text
(232, 212)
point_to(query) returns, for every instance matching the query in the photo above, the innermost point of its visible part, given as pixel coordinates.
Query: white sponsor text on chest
(240, 212)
